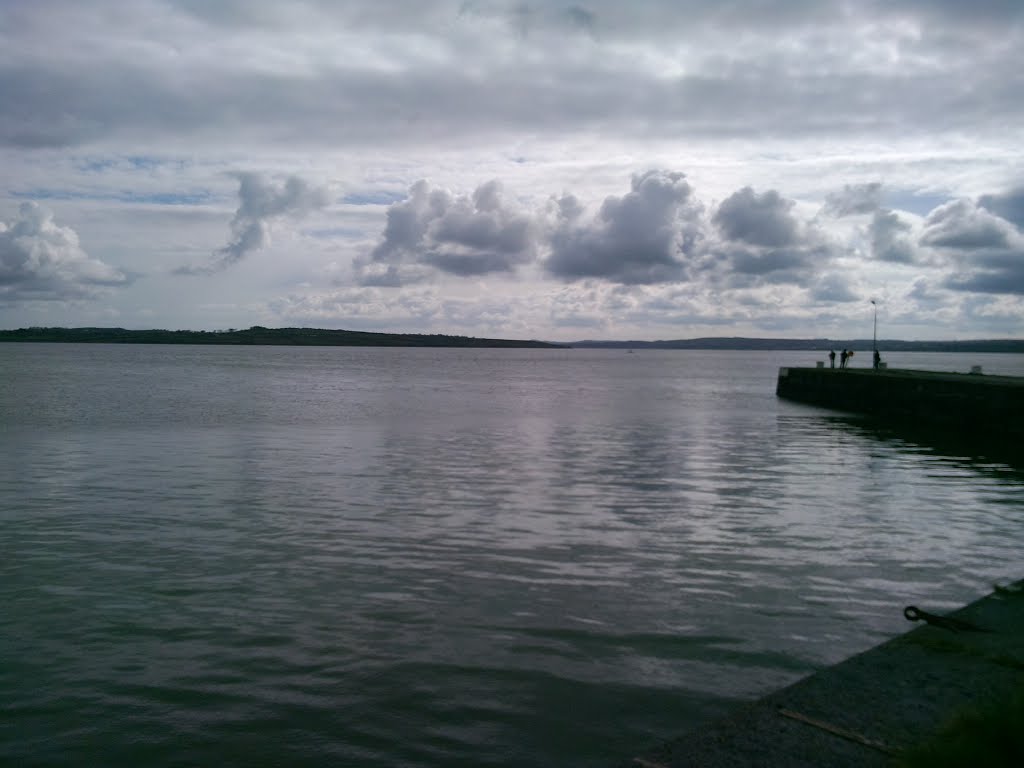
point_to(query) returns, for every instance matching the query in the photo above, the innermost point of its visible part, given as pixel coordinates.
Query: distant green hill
(257, 335)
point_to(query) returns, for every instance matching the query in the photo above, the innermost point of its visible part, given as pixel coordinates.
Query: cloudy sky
(520, 169)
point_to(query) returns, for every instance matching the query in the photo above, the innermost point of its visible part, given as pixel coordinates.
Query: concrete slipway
(867, 709)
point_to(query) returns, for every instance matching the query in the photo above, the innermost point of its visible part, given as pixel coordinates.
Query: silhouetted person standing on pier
(877, 360)
(842, 359)
(831, 358)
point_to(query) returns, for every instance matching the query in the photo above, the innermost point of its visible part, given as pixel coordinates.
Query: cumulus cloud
(853, 200)
(655, 233)
(988, 250)
(889, 235)
(890, 239)
(39, 259)
(658, 233)
(785, 265)
(461, 235)
(833, 288)
(961, 225)
(645, 236)
(1000, 271)
(764, 219)
(760, 240)
(923, 291)
(260, 204)
(1009, 206)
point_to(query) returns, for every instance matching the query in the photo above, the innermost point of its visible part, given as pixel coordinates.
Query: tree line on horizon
(259, 335)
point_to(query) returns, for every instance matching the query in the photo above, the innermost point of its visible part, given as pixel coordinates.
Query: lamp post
(875, 357)
(874, 332)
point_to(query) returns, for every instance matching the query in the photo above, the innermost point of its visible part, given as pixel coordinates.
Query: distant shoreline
(1013, 346)
(258, 335)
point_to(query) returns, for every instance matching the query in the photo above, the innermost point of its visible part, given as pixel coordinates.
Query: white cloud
(260, 204)
(761, 220)
(890, 238)
(460, 235)
(816, 138)
(41, 260)
(854, 199)
(962, 225)
(987, 250)
(645, 236)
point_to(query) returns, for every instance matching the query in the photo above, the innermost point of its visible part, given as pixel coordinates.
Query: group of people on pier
(846, 354)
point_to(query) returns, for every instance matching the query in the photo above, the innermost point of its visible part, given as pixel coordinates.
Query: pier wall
(969, 403)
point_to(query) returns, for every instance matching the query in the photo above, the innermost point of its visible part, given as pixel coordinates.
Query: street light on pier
(874, 332)
(876, 359)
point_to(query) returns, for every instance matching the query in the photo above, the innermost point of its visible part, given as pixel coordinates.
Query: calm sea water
(393, 557)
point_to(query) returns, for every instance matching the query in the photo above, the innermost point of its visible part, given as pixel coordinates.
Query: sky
(657, 169)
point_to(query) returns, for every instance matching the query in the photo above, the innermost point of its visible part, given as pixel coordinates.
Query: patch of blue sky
(152, 198)
(168, 198)
(124, 162)
(373, 198)
(914, 202)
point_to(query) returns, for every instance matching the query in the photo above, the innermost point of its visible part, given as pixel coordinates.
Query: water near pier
(384, 557)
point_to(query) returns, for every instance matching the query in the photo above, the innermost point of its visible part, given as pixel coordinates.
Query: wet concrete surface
(866, 710)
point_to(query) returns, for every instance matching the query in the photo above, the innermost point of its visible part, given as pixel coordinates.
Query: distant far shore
(258, 335)
(813, 345)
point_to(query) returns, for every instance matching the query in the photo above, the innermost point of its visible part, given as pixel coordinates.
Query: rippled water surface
(394, 557)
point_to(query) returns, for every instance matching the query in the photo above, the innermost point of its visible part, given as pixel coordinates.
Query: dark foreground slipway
(883, 706)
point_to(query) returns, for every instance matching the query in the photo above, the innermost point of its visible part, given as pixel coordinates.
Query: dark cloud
(655, 233)
(216, 77)
(889, 240)
(40, 259)
(467, 264)
(991, 318)
(1009, 206)
(987, 250)
(781, 264)
(581, 17)
(1009, 280)
(854, 199)
(765, 219)
(645, 236)
(833, 288)
(961, 225)
(761, 241)
(460, 235)
(978, 13)
(924, 293)
(408, 220)
(260, 203)
(997, 271)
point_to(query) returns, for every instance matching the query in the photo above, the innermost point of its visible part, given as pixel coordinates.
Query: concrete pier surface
(870, 709)
(973, 404)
